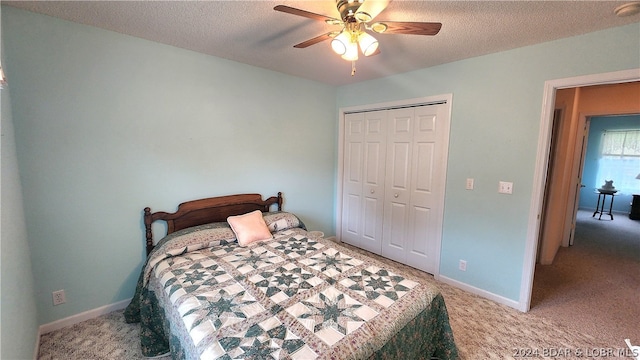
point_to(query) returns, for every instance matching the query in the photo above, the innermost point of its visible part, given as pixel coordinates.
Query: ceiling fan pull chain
(353, 68)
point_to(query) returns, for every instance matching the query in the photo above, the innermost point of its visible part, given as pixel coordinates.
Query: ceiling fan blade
(304, 13)
(315, 40)
(412, 28)
(372, 7)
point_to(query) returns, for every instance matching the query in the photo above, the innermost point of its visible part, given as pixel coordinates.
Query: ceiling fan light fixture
(363, 16)
(368, 44)
(352, 52)
(379, 27)
(340, 43)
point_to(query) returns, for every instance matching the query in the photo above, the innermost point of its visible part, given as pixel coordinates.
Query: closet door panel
(371, 226)
(366, 184)
(425, 188)
(400, 166)
(373, 189)
(399, 143)
(423, 165)
(352, 179)
(420, 217)
(352, 210)
(394, 246)
(373, 201)
(398, 183)
(396, 202)
(418, 248)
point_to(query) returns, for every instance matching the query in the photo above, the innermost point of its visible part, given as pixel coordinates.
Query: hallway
(594, 285)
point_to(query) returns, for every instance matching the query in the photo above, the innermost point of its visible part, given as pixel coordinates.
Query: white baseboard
(74, 319)
(485, 294)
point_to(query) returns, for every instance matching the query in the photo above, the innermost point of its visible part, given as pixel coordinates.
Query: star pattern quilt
(203, 296)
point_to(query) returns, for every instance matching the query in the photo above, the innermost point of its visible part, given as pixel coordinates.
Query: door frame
(578, 165)
(428, 100)
(540, 171)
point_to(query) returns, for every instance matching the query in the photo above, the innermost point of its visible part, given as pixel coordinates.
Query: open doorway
(586, 286)
(540, 170)
(569, 138)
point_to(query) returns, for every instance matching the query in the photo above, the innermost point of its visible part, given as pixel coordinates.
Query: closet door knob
(395, 195)
(372, 191)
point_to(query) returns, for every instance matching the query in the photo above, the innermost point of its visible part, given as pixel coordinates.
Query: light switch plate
(469, 184)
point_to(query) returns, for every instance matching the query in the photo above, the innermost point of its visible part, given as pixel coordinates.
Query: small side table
(634, 214)
(600, 205)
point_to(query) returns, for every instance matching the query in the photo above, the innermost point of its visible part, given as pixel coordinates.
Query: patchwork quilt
(202, 296)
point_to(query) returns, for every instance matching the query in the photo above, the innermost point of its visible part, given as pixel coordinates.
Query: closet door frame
(429, 100)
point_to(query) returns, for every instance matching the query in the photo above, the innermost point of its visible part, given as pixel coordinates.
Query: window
(620, 159)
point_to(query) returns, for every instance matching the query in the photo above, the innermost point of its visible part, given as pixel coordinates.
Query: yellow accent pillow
(249, 228)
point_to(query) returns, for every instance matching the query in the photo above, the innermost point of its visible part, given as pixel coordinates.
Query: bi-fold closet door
(365, 136)
(393, 183)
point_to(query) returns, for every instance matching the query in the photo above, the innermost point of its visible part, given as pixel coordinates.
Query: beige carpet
(594, 285)
(484, 329)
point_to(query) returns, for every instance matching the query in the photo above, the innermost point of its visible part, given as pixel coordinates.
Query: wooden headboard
(204, 211)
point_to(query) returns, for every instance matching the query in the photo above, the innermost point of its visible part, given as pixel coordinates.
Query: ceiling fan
(356, 18)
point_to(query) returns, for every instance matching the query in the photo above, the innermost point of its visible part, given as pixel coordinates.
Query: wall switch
(469, 184)
(462, 265)
(505, 187)
(59, 298)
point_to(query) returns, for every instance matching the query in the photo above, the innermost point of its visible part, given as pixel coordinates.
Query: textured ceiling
(251, 32)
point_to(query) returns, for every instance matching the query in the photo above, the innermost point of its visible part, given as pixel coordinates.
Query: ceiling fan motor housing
(348, 9)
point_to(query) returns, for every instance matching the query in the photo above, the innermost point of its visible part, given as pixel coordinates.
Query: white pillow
(249, 228)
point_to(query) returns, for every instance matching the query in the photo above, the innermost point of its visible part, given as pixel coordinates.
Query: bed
(217, 287)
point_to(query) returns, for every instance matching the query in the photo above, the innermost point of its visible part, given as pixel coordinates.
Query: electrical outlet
(469, 184)
(462, 265)
(59, 298)
(505, 187)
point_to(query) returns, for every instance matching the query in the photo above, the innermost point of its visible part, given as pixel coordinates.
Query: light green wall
(18, 312)
(107, 124)
(496, 112)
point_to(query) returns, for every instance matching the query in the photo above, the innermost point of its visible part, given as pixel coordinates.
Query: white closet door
(415, 184)
(427, 187)
(363, 184)
(398, 183)
(393, 185)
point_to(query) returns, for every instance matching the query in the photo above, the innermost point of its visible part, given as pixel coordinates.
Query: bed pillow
(249, 228)
(281, 220)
